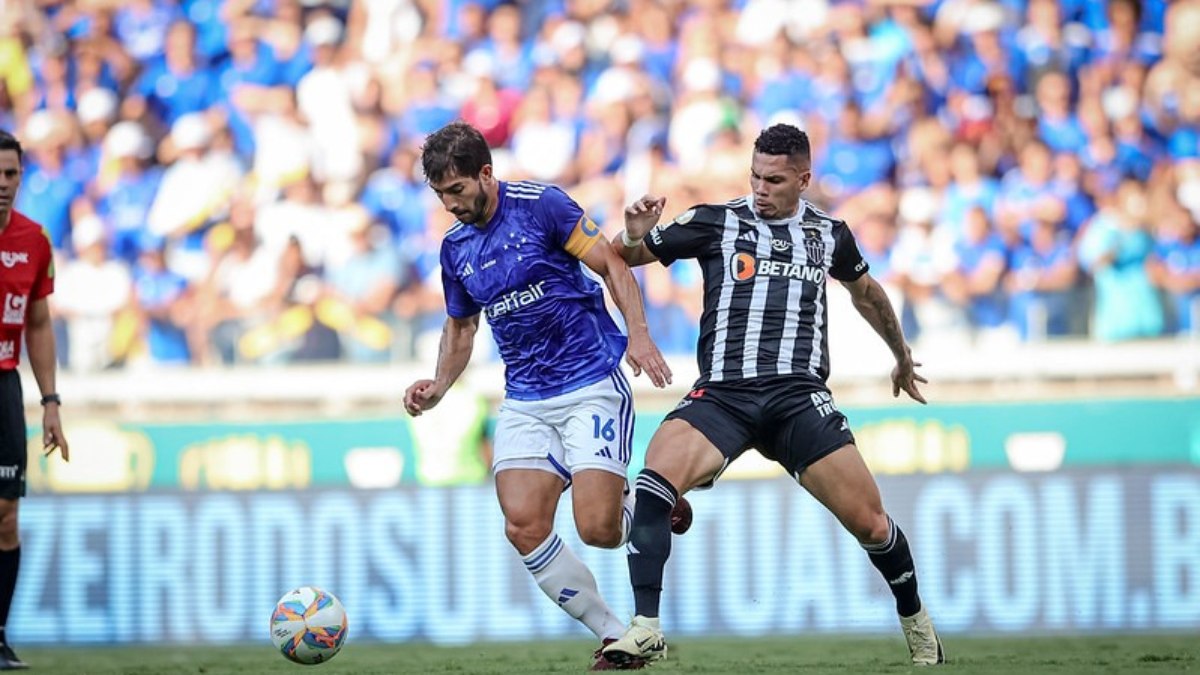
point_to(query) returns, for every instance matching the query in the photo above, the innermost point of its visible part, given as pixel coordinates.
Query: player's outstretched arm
(454, 352)
(872, 303)
(640, 217)
(642, 353)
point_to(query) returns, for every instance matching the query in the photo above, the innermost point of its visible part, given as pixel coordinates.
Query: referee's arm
(40, 345)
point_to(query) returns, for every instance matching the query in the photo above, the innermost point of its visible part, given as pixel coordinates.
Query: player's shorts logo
(742, 266)
(696, 393)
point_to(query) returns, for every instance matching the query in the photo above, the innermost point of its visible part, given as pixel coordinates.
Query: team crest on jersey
(814, 245)
(14, 309)
(10, 259)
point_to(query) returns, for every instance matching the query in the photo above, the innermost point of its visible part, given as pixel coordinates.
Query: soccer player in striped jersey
(525, 256)
(764, 359)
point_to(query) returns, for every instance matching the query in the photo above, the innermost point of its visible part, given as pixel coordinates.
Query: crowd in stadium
(237, 180)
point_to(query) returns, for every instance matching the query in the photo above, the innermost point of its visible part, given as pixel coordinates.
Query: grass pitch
(810, 655)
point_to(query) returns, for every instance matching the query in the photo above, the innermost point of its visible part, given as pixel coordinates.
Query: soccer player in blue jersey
(517, 256)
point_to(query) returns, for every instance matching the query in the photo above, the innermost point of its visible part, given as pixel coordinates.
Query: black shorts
(790, 419)
(14, 442)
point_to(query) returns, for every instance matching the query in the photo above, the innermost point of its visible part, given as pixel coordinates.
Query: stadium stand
(235, 182)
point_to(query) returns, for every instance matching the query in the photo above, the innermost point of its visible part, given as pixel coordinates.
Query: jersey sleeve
(569, 226)
(43, 283)
(689, 235)
(848, 263)
(459, 303)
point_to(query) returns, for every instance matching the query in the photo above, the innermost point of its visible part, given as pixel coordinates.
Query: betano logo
(743, 267)
(511, 302)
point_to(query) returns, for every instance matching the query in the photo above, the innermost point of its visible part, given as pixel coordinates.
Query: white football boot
(643, 640)
(924, 645)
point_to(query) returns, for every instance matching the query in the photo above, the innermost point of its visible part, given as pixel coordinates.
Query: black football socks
(10, 563)
(893, 559)
(650, 540)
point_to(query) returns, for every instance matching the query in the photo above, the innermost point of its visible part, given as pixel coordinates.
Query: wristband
(630, 243)
(51, 398)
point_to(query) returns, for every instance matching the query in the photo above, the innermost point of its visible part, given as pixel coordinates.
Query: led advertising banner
(388, 452)
(1073, 551)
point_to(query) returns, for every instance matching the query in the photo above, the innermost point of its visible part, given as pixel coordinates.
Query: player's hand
(642, 354)
(52, 433)
(905, 377)
(421, 396)
(642, 215)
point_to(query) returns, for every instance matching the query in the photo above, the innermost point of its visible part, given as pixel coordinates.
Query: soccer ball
(308, 625)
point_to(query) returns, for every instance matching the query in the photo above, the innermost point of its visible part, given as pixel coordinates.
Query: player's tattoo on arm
(873, 304)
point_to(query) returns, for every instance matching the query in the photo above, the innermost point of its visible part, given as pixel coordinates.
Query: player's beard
(478, 208)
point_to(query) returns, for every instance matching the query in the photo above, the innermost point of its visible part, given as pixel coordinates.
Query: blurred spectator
(49, 187)
(968, 190)
(923, 261)
(94, 290)
(244, 290)
(974, 284)
(1115, 249)
(325, 97)
(359, 291)
(126, 187)
(175, 84)
(1040, 281)
(1175, 268)
(195, 190)
(165, 303)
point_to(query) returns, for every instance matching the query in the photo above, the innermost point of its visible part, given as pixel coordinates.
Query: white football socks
(627, 505)
(569, 583)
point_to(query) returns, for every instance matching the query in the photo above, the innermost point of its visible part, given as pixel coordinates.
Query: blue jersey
(523, 273)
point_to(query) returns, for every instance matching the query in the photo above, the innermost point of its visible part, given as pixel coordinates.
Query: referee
(26, 280)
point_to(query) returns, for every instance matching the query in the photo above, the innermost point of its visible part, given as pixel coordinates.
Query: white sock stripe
(652, 486)
(544, 554)
(885, 545)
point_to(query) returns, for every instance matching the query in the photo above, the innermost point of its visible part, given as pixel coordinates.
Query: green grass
(810, 655)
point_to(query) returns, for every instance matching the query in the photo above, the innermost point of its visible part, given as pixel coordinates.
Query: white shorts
(589, 428)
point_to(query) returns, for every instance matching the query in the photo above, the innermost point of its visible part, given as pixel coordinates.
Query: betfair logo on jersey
(511, 302)
(743, 267)
(12, 258)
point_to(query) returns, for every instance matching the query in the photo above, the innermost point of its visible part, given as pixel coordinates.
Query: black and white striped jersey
(764, 286)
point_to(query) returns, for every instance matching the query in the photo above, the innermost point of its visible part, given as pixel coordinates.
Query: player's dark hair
(784, 139)
(456, 149)
(10, 142)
